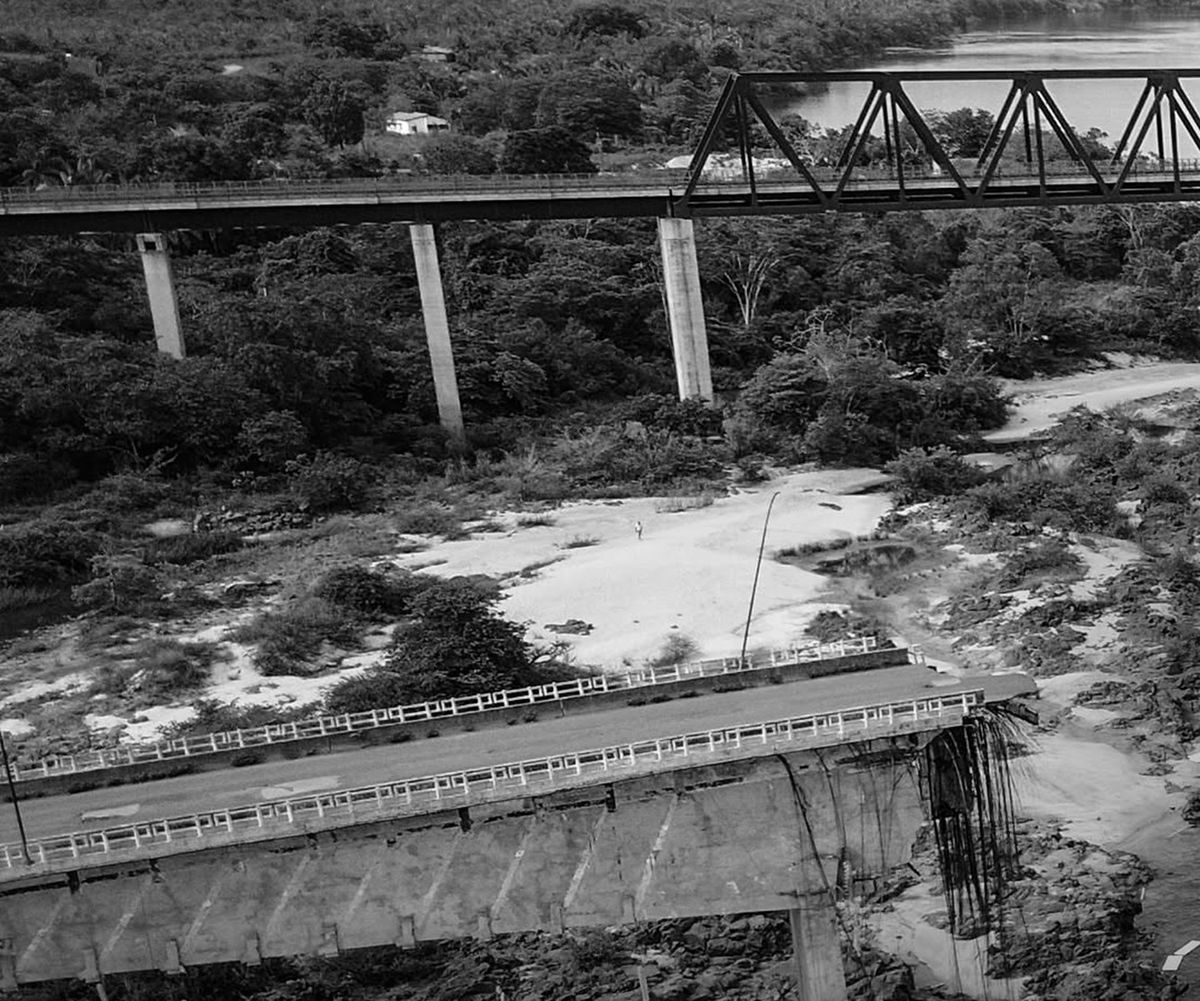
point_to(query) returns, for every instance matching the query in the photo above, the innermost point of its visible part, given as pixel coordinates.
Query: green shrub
(120, 584)
(369, 592)
(191, 548)
(660, 412)
(169, 666)
(26, 477)
(676, 649)
(271, 440)
(215, 717)
(1046, 557)
(1164, 489)
(288, 640)
(45, 553)
(12, 598)
(157, 668)
(925, 474)
(126, 492)
(428, 519)
(328, 482)
(602, 461)
(456, 644)
(1045, 499)
(829, 626)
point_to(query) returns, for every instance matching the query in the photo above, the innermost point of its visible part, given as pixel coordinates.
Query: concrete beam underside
(437, 329)
(160, 289)
(765, 834)
(685, 308)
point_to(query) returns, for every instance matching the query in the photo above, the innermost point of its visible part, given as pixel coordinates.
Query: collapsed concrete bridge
(761, 817)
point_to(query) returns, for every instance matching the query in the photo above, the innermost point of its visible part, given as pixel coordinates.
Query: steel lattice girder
(921, 172)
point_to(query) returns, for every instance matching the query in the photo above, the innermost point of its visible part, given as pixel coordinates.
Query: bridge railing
(448, 183)
(423, 712)
(465, 184)
(461, 788)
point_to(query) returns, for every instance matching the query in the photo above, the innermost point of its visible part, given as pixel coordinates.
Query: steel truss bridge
(1033, 156)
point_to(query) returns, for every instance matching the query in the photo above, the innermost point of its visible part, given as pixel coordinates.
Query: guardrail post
(160, 289)
(685, 308)
(437, 329)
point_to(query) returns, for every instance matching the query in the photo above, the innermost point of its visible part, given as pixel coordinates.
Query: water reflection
(1113, 39)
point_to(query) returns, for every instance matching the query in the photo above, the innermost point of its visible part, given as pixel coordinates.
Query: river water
(1114, 39)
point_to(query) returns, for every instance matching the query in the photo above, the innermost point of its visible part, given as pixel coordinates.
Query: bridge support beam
(685, 308)
(437, 329)
(160, 288)
(816, 951)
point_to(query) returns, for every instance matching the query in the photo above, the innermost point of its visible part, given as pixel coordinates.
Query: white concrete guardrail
(421, 712)
(456, 789)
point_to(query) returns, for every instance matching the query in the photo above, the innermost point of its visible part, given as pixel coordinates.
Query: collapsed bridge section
(770, 816)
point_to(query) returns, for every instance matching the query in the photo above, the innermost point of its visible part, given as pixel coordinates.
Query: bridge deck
(210, 792)
(138, 208)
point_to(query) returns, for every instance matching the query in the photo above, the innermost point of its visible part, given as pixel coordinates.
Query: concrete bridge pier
(160, 287)
(816, 951)
(437, 329)
(685, 308)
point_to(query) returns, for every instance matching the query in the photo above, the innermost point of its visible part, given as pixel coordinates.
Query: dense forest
(842, 340)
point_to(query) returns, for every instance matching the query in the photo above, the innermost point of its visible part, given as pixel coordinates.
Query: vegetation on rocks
(452, 642)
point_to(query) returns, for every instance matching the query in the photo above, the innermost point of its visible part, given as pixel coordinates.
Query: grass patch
(429, 519)
(25, 596)
(157, 668)
(674, 505)
(289, 640)
(579, 542)
(676, 649)
(813, 548)
(535, 521)
(184, 549)
(490, 525)
(217, 717)
(533, 569)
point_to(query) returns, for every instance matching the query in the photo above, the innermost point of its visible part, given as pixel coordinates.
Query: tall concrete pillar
(685, 308)
(816, 951)
(160, 287)
(437, 329)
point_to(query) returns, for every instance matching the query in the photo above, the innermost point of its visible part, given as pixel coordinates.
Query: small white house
(437, 54)
(411, 123)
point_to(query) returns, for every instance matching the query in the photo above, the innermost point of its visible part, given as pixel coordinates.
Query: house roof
(414, 116)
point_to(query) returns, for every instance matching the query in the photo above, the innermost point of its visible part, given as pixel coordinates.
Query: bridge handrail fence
(449, 184)
(421, 712)
(456, 789)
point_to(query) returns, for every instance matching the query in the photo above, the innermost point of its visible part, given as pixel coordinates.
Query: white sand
(690, 574)
(1094, 788)
(30, 690)
(16, 728)
(1040, 402)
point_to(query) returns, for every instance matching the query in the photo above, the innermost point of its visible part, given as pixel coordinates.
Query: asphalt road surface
(187, 794)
